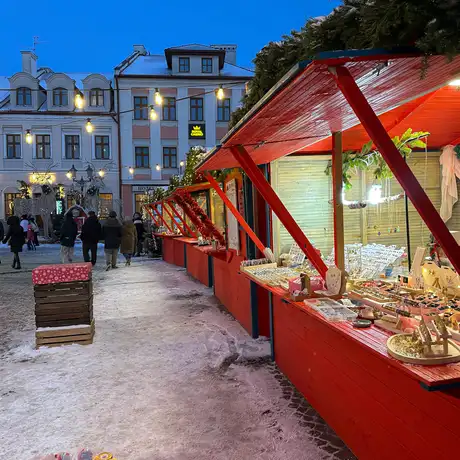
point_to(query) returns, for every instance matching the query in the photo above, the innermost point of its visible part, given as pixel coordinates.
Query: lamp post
(181, 168)
(72, 175)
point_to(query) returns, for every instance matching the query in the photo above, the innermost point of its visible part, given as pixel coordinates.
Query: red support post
(259, 181)
(235, 212)
(184, 223)
(337, 190)
(396, 163)
(147, 208)
(163, 203)
(161, 217)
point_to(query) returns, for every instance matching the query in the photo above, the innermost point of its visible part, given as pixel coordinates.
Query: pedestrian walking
(90, 236)
(139, 224)
(16, 239)
(30, 237)
(68, 236)
(128, 240)
(25, 226)
(35, 229)
(111, 234)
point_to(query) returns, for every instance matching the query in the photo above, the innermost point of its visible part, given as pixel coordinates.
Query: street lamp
(158, 167)
(181, 166)
(72, 175)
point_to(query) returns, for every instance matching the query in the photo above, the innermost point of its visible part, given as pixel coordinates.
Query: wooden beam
(184, 223)
(396, 163)
(173, 218)
(337, 190)
(270, 196)
(154, 207)
(147, 207)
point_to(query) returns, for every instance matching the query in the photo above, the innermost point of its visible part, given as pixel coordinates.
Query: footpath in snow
(170, 376)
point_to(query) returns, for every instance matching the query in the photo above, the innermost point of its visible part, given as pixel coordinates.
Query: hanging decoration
(450, 171)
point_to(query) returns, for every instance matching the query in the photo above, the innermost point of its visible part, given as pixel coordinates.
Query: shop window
(223, 110)
(102, 150)
(105, 204)
(139, 200)
(9, 203)
(72, 146)
(24, 96)
(96, 97)
(141, 104)
(196, 109)
(142, 157)
(184, 64)
(169, 157)
(70, 201)
(60, 97)
(43, 146)
(13, 146)
(169, 109)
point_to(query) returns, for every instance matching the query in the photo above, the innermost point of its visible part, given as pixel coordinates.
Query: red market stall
(378, 405)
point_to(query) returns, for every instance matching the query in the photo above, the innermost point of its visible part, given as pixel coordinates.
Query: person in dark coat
(2, 233)
(16, 239)
(69, 233)
(90, 235)
(111, 234)
(139, 224)
(128, 240)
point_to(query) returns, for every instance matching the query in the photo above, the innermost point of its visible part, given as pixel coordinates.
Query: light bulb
(455, 82)
(69, 175)
(29, 137)
(101, 173)
(34, 177)
(158, 167)
(131, 170)
(89, 126)
(220, 93)
(158, 97)
(79, 101)
(153, 114)
(181, 163)
(375, 194)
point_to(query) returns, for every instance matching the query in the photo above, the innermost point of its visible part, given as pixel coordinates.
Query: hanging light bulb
(181, 163)
(158, 97)
(33, 177)
(79, 101)
(455, 82)
(101, 173)
(69, 175)
(89, 126)
(153, 114)
(220, 93)
(29, 137)
(375, 194)
(158, 167)
(131, 170)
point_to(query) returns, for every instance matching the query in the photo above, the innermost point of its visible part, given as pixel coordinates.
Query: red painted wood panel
(377, 409)
(197, 264)
(179, 252)
(168, 250)
(264, 314)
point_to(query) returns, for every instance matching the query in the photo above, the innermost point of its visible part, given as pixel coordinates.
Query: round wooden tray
(452, 357)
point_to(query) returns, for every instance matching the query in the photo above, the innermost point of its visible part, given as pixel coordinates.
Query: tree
(431, 25)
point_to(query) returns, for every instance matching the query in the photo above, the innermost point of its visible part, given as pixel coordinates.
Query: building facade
(188, 79)
(43, 132)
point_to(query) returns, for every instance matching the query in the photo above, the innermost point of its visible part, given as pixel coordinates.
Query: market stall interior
(357, 330)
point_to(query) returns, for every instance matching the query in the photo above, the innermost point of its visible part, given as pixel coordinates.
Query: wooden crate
(53, 337)
(75, 291)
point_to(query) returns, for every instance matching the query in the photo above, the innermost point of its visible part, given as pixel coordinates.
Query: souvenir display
(331, 310)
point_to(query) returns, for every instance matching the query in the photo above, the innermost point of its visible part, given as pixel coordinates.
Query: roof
(306, 106)
(194, 49)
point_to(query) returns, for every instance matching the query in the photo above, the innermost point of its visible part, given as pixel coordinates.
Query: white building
(187, 78)
(40, 103)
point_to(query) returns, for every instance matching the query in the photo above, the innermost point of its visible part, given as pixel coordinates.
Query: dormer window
(60, 97)
(206, 65)
(184, 64)
(24, 96)
(96, 97)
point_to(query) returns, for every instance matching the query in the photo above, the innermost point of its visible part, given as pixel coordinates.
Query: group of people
(20, 231)
(126, 238)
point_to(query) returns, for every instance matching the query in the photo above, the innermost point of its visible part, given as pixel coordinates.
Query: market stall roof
(306, 106)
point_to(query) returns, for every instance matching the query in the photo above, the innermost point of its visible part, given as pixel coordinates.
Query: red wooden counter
(167, 247)
(199, 263)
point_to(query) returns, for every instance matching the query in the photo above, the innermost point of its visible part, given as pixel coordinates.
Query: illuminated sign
(197, 131)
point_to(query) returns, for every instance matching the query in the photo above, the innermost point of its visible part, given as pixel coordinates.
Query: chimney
(230, 52)
(29, 63)
(140, 49)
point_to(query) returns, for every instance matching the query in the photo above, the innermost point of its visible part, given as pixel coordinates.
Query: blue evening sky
(94, 36)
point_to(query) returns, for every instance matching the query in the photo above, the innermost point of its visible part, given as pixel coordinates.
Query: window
(105, 204)
(9, 203)
(139, 200)
(23, 96)
(102, 148)
(72, 147)
(96, 97)
(206, 65)
(184, 64)
(169, 157)
(43, 146)
(142, 157)
(13, 146)
(196, 109)
(60, 97)
(223, 110)
(141, 104)
(169, 108)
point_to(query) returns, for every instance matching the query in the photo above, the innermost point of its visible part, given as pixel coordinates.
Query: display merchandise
(331, 309)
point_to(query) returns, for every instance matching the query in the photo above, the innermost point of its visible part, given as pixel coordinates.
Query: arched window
(24, 96)
(60, 97)
(96, 97)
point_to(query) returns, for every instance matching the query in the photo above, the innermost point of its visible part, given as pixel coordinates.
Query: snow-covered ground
(170, 376)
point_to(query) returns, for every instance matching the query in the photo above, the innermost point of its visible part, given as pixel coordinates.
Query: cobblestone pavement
(170, 376)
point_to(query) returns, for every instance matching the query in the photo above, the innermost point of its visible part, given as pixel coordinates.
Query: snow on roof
(154, 64)
(192, 47)
(232, 70)
(80, 76)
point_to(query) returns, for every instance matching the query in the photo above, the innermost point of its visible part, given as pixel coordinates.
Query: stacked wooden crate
(63, 304)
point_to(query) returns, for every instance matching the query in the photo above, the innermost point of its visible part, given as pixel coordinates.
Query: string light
(375, 194)
(158, 97)
(29, 137)
(101, 173)
(131, 170)
(79, 101)
(220, 93)
(153, 114)
(181, 163)
(69, 175)
(158, 167)
(89, 126)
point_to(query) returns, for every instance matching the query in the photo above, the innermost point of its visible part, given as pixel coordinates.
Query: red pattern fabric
(64, 273)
